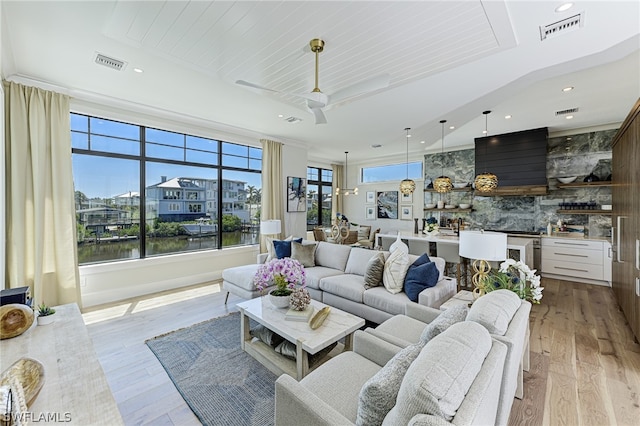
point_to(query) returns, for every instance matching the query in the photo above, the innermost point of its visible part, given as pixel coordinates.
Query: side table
(461, 297)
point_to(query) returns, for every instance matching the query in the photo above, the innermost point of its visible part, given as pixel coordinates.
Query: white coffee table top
(337, 325)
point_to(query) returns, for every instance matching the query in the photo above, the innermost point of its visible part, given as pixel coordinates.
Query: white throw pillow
(271, 251)
(396, 266)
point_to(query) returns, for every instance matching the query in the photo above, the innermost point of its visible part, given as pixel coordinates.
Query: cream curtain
(41, 226)
(338, 181)
(272, 184)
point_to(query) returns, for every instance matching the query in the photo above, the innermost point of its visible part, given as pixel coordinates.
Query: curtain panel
(41, 248)
(272, 186)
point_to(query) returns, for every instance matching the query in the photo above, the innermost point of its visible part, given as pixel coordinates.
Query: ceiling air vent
(293, 119)
(561, 27)
(566, 111)
(109, 62)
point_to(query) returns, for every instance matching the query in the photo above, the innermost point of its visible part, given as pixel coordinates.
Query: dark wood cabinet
(626, 218)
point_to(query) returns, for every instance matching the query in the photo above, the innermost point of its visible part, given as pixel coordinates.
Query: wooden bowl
(15, 319)
(29, 374)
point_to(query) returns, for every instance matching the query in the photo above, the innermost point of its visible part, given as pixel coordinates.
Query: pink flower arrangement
(285, 273)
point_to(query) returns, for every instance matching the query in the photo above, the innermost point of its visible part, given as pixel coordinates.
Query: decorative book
(293, 315)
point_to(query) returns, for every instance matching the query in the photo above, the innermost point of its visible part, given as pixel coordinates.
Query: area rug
(222, 384)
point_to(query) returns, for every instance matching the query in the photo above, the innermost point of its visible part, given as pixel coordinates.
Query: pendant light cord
(442, 150)
(407, 130)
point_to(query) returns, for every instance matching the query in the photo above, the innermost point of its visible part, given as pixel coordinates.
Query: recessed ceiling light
(567, 89)
(422, 141)
(280, 115)
(508, 116)
(138, 70)
(569, 117)
(376, 145)
(563, 7)
(484, 132)
(452, 127)
(568, 138)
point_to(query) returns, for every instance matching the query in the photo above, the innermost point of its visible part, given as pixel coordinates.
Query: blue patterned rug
(221, 384)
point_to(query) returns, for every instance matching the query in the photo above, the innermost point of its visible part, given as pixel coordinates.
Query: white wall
(294, 163)
(354, 206)
(3, 233)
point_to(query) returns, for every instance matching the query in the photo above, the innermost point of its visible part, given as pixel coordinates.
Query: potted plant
(514, 276)
(285, 274)
(45, 314)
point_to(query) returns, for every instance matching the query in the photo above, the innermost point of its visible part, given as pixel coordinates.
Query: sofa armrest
(373, 348)
(261, 258)
(295, 404)
(421, 312)
(435, 296)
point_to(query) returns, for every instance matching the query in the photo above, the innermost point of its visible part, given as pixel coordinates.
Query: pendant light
(407, 186)
(486, 182)
(346, 191)
(443, 183)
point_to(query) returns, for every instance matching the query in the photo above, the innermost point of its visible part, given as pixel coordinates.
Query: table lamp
(483, 247)
(270, 227)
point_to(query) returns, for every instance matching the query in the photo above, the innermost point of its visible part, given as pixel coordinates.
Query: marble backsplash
(573, 155)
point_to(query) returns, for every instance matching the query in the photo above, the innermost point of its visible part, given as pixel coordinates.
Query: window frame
(320, 183)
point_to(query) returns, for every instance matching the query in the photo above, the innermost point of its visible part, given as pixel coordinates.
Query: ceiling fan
(316, 100)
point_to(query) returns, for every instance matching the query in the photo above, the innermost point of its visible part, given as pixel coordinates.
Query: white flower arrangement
(517, 277)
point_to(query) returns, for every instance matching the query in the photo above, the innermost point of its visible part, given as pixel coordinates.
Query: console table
(75, 388)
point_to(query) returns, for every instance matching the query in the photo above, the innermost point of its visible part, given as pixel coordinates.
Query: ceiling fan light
(486, 182)
(407, 186)
(442, 184)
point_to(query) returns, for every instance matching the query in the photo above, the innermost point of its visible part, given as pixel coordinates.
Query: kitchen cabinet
(626, 218)
(574, 259)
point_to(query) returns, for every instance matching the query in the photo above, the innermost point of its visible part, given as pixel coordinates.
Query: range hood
(519, 160)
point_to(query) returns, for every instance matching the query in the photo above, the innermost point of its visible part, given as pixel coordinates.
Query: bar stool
(449, 252)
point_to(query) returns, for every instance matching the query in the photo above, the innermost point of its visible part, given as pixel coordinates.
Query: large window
(318, 197)
(391, 172)
(185, 192)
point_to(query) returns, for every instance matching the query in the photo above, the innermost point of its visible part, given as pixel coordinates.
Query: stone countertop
(607, 239)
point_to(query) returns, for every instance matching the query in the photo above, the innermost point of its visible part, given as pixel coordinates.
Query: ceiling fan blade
(320, 118)
(369, 85)
(255, 86)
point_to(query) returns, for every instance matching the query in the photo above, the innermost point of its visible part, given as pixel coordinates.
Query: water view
(130, 249)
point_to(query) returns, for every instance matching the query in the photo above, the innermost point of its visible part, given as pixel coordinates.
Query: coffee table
(338, 324)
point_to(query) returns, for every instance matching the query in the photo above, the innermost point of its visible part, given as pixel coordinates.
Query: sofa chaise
(337, 279)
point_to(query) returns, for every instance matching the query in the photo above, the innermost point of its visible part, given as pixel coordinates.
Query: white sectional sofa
(337, 279)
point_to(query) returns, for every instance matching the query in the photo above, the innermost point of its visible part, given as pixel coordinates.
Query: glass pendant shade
(407, 186)
(486, 182)
(442, 184)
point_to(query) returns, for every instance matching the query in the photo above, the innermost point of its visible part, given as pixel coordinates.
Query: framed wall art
(296, 194)
(406, 198)
(371, 197)
(387, 204)
(370, 212)
(405, 212)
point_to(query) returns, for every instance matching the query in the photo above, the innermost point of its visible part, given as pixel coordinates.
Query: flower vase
(279, 302)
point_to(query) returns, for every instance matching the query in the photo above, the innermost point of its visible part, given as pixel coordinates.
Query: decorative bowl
(429, 206)
(567, 179)
(465, 206)
(459, 184)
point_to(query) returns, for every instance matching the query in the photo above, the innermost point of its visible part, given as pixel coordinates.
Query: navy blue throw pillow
(420, 277)
(422, 260)
(283, 248)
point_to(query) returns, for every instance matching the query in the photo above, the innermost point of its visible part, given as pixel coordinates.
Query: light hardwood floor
(585, 364)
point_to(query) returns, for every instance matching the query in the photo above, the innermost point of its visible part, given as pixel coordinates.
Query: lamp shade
(491, 246)
(270, 227)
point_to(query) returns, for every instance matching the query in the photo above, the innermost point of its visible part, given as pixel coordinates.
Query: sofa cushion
(443, 321)
(332, 255)
(304, 253)
(314, 275)
(495, 310)
(395, 268)
(328, 383)
(358, 258)
(438, 380)
(378, 395)
(419, 277)
(282, 248)
(380, 298)
(373, 271)
(347, 286)
(241, 276)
